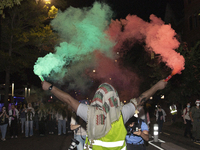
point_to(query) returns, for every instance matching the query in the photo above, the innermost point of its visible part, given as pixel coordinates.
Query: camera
(73, 144)
(134, 128)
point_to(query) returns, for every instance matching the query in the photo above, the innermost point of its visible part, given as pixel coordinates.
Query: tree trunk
(7, 85)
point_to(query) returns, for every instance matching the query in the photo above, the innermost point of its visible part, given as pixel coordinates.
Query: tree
(24, 38)
(8, 3)
(184, 87)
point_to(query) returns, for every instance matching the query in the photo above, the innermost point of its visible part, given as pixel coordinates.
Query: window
(190, 23)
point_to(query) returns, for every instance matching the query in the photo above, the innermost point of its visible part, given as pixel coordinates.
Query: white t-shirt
(186, 114)
(128, 111)
(81, 130)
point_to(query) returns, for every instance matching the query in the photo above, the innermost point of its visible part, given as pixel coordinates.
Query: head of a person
(24, 105)
(188, 104)
(3, 108)
(132, 121)
(13, 106)
(101, 97)
(197, 102)
(29, 105)
(159, 107)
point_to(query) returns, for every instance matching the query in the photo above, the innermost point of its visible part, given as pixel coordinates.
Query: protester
(36, 119)
(30, 112)
(79, 128)
(105, 116)
(195, 118)
(13, 121)
(3, 123)
(160, 118)
(42, 117)
(173, 111)
(22, 117)
(137, 133)
(61, 118)
(51, 120)
(187, 121)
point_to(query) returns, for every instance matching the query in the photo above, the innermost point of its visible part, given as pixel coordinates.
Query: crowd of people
(28, 119)
(191, 117)
(107, 119)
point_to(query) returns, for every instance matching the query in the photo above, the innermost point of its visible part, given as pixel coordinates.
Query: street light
(29, 91)
(47, 1)
(25, 94)
(12, 89)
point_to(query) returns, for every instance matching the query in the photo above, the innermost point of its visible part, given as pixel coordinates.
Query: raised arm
(61, 95)
(147, 94)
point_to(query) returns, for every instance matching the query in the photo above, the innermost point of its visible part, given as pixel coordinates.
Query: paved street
(171, 139)
(48, 142)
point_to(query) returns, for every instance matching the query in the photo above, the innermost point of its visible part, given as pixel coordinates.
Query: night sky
(141, 8)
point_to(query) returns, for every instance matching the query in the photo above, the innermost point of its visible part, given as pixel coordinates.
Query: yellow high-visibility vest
(113, 140)
(173, 111)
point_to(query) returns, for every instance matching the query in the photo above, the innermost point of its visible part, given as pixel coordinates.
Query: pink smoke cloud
(159, 38)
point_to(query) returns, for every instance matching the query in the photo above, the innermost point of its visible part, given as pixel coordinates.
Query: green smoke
(82, 32)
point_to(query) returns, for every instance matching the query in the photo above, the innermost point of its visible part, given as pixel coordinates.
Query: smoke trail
(159, 38)
(81, 31)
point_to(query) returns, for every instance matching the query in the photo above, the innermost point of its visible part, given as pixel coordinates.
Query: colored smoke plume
(159, 38)
(81, 32)
(89, 40)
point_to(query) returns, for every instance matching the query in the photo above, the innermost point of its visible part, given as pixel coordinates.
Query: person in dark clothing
(187, 121)
(23, 117)
(14, 115)
(137, 134)
(42, 119)
(160, 118)
(51, 121)
(3, 123)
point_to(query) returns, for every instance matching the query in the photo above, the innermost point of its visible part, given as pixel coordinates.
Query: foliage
(182, 87)
(185, 87)
(24, 38)
(8, 3)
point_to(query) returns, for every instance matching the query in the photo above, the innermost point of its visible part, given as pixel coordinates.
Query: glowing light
(12, 89)
(151, 98)
(162, 96)
(94, 70)
(110, 78)
(25, 95)
(115, 60)
(47, 1)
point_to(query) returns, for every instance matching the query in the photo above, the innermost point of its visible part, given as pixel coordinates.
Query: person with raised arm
(105, 116)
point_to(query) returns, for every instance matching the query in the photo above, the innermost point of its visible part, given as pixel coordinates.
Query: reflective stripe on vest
(108, 144)
(173, 111)
(114, 140)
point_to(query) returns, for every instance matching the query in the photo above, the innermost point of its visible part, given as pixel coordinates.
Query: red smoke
(124, 80)
(159, 38)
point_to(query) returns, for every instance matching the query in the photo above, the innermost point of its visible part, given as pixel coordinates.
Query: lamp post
(13, 89)
(25, 92)
(29, 91)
